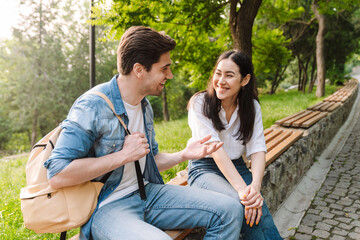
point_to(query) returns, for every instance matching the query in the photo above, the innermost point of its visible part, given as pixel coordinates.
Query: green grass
(12, 179)
(172, 136)
(283, 104)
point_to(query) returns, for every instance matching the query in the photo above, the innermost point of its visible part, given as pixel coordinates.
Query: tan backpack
(48, 210)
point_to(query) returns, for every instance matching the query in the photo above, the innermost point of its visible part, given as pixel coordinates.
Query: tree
(271, 46)
(271, 56)
(321, 8)
(199, 28)
(320, 59)
(342, 33)
(242, 16)
(46, 68)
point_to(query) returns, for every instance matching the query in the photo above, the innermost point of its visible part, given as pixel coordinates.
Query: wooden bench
(277, 140)
(302, 119)
(324, 106)
(343, 93)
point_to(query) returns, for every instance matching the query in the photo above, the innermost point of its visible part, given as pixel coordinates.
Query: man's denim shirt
(92, 130)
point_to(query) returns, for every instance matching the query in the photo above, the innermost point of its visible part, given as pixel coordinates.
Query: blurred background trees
(44, 67)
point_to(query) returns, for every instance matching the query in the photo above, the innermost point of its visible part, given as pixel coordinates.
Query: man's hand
(135, 147)
(198, 149)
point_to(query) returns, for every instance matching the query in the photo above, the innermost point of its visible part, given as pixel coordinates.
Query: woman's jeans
(205, 174)
(168, 207)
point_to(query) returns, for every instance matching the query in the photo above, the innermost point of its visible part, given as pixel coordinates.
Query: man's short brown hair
(142, 45)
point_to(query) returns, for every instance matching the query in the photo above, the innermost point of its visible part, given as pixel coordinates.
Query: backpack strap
(112, 108)
(137, 164)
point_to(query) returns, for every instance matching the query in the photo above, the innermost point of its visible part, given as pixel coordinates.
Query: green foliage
(270, 53)
(43, 71)
(156, 105)
(342, 34)
(178, 95)
(197, 27)
(5, 129)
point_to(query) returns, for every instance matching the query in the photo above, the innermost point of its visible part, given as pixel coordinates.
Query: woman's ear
(245, 80)
(138, 70)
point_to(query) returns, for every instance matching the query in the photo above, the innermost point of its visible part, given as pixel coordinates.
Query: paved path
(335, 210)
(326, 203)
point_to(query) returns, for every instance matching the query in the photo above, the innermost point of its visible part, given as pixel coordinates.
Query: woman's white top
(202, 126)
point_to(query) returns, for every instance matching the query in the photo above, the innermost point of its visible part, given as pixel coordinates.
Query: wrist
(182, 157)
(256, 185)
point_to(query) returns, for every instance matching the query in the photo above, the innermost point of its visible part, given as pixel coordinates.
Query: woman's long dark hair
(245, 98)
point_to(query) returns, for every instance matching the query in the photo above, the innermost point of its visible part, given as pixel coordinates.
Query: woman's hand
(198, 149)
(253, 202)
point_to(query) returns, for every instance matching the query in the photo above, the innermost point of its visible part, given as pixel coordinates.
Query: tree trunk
(274, 82)
(300, 72)
(241, 23)
(312, 78)
(320, 58)
(165, 106)
(305, 76)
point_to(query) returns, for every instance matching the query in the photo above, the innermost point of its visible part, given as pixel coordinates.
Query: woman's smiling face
(227, 80)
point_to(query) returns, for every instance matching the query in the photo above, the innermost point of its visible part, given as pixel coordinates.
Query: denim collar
(116, 97)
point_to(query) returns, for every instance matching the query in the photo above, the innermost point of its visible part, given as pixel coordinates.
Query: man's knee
(232, 209)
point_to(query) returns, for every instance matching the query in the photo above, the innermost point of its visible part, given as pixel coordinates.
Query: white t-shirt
(129, 182)
(202, 126)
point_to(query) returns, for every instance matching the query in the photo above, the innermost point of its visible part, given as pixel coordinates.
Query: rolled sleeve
(257, 141)
(75, 140)
(73, 143)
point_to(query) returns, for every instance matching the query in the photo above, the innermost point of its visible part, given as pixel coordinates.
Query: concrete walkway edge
(289, 215)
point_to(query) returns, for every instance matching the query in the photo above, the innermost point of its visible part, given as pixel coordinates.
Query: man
(94, 143)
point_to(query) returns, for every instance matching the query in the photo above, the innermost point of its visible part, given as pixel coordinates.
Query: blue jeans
(168, 207)
(205, 174)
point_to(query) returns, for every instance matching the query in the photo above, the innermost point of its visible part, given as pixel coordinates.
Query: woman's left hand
(198, 149)
(253, 202)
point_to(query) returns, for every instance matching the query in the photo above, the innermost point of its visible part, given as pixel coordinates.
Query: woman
(229, 111)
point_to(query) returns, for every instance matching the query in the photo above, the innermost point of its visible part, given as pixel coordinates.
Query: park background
(302, 51)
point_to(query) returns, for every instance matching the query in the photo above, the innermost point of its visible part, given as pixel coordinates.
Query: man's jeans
(168, 207)
(205, 174)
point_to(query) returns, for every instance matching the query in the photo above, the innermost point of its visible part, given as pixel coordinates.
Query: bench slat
(279, 149)
(309, 116)
(178, 234)
(281, 121)
(289, 122)
(313, 120)
(278, 140)
(326, 106)
(334, 106)
(316, 106)
(272, 135)
(268, 131)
